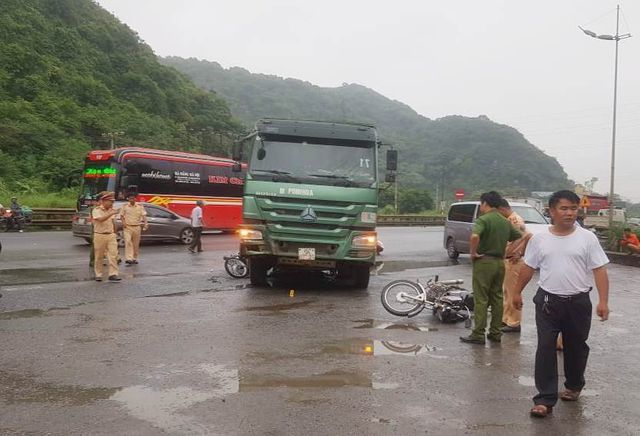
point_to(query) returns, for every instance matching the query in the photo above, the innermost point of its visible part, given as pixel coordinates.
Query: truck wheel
(451, 249)
(361, 276)
(258, 268)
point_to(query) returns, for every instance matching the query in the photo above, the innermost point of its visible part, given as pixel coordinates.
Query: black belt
(98, 233)
(566, 298)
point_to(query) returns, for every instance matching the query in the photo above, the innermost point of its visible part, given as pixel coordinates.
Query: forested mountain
(70, 72)
(454, 151)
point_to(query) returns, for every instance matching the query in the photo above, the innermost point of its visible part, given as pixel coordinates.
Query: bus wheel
(258, 268)
(186, 236)
(361, 274)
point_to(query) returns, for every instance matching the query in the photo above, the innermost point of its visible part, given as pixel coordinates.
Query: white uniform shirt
(196, 217)
(565, 262)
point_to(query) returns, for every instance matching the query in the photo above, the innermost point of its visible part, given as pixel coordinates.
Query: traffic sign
(585, 202)
(460, 194)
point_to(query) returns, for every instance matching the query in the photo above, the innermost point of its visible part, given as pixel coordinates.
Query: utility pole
(111, 136)
(617, 37)
(395, 196)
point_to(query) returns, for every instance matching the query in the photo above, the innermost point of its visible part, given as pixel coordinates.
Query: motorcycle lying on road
(236, 266)
(446, 299)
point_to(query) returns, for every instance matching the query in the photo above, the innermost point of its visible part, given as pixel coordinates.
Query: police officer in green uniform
(488, 245)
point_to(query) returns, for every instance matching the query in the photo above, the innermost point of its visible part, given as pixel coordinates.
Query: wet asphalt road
(177, 349)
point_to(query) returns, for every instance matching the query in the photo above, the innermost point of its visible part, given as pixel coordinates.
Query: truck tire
(361, 274)
(258, 268)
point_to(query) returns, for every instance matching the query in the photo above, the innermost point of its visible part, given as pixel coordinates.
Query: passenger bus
(171, 179)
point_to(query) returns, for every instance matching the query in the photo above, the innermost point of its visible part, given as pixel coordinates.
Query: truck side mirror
(237, 167)
(236, 151)
(392, 160)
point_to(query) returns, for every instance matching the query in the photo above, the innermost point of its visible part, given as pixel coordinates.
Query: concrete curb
(623, 259)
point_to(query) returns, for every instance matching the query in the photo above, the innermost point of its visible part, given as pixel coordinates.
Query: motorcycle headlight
(365, 241)
(250, 234)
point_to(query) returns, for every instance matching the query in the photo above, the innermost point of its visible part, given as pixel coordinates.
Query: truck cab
(310, 198)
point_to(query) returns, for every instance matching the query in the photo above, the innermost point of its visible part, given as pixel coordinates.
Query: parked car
(461, 217)
(164, 225)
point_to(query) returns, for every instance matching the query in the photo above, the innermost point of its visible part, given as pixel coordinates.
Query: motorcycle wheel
(236, 268)
(392, 302)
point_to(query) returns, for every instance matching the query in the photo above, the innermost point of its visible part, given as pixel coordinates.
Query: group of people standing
(105, 242)
(569, 258)
(134, 221)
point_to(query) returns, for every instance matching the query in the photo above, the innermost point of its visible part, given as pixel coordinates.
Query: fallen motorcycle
(236, 266)
(446, 299)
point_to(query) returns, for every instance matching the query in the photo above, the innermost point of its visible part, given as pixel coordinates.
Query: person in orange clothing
(630, 242)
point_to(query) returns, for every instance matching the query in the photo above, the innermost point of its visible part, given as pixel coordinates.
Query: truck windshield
(319, 161)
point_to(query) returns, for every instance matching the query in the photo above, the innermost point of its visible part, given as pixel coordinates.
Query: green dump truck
(310, 198)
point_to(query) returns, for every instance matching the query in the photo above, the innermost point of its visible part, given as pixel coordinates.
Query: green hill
(458, 152)
(70, 72)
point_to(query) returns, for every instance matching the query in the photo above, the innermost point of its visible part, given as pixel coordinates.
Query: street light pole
(617, 37)
(613, 134)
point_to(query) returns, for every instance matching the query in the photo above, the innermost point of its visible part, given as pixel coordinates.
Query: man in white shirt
(196, 225)
(567, 256)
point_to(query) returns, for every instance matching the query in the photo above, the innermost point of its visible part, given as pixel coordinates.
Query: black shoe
(472, 340)
(98, 279)
(191, 250)
(135, 262)
(129, 262)
(509, 329)
(200, 251)
(114, 279)
(119, 261)
(493, 338)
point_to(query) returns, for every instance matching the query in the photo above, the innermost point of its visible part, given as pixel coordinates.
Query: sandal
(541, 411)
(569, 395)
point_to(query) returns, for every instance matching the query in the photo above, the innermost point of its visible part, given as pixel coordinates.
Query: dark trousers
(197, 242)
(572, 317)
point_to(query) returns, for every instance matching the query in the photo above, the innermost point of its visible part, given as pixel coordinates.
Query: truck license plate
(307, 253)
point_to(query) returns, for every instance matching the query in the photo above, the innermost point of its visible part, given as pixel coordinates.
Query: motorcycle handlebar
(451, 282)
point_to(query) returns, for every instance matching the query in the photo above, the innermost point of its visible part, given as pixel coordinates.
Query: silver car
(459, 224)
(164, 225)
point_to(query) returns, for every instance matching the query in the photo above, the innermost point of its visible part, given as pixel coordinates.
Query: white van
(461, 217)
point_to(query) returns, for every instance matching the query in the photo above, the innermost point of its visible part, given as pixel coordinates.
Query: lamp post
(617, 37)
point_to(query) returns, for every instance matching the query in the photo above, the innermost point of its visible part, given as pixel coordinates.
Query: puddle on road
(330, 379)
(403, 265)
(277, 307)
(163, 408)
(387, 325)
(368, 347)
(17, 388)
(26, 313)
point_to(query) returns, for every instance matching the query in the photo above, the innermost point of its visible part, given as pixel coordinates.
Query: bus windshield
(319, 161)
(98, 177)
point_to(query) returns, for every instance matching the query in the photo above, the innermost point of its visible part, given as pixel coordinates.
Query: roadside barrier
(61, 217)
(52, 217)
(410, 220)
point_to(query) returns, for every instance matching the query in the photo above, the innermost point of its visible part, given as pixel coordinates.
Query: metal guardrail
(61, 217)
(410, 220)
(52, 217)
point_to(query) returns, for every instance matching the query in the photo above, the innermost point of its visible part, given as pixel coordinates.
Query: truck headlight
(250, 234)
(365, 241)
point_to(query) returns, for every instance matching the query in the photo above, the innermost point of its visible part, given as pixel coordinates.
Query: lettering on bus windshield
(99, 172)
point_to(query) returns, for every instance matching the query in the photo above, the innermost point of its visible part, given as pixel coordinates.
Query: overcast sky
(522, 63)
